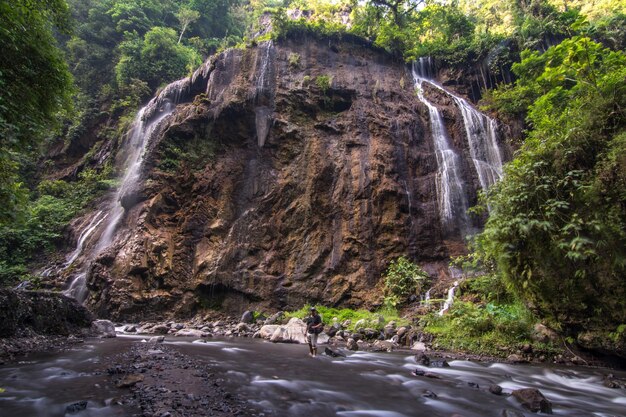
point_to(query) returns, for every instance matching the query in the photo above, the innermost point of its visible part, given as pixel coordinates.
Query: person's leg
(309, 340)
(314, 344)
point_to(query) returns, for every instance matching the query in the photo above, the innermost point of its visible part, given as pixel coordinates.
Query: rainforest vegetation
(554, 242)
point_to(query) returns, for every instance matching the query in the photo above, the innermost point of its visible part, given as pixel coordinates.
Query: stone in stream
(611, 382)
(329, 352)
(190, 333)
(76, 407)
(104, 328)
(439, 363)
(247, 317)
(533, 400)
(422, 359)
(495, 389)
(156, 339)
(428, 394)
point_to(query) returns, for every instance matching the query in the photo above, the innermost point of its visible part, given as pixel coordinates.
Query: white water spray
(450, 192)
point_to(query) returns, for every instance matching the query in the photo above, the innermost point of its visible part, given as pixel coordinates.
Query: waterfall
(483, 144)
(450, 193)
(480, 130)
(263, 110)
(450, 299)
(147, 122)
(82, 238)
(141, 131)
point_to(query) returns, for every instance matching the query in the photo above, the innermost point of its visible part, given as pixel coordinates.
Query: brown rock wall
(344, 182)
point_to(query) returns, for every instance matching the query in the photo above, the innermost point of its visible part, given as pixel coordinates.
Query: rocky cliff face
(288, 173)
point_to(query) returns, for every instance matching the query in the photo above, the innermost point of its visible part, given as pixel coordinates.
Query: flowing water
(450, 191)
(281, 380)
(482, 142)
(147, 122)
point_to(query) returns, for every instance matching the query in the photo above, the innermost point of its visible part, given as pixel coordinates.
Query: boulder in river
(292, 332)
(190, 333)
(533, 400)
(103, 328)
(76, 407)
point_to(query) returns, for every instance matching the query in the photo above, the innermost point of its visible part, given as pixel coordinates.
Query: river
(281, 380)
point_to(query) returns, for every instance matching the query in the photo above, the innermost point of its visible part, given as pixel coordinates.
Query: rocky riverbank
(387, 337)
(164, 382)
(35, 321)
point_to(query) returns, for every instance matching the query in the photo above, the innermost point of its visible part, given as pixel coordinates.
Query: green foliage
(294, 60)
(157, 57)
(35, 86)
(323, 82)
(402, 279)
(494, 329)
(375, 320)
(179, 153)
(557, 227)
(45, 217)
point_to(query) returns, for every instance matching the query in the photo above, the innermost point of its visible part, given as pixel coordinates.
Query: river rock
(352, 344)
(190, 333)
(160, 329)
(382, 346)
(422, 359)
(389, 331)
(543, 334)
(533, 400)
(515, 358)
(156, 339)
(242, 327)
(247, 317)
(293, 332)
(419, 346)
(130, 328)
(129, 381)
(439, 363)
(103, 328)
(610, 381)
(335, 354)
(76, 407)
(274, 318)
(495, 389)
(268, 330)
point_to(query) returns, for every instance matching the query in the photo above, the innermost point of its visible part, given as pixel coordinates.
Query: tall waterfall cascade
(104, 223)
(482, 142)
(450, 190)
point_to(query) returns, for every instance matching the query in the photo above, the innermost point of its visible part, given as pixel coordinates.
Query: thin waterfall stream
(146, 123)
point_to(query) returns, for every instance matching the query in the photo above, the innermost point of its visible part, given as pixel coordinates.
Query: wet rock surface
(35, 321)
(165, 382)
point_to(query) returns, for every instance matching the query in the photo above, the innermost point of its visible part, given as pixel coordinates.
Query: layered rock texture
(288, 173)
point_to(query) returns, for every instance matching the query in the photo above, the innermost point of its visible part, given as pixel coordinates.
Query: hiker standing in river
(314, 326)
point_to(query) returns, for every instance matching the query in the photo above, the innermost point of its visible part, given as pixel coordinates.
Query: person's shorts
(312, 339)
